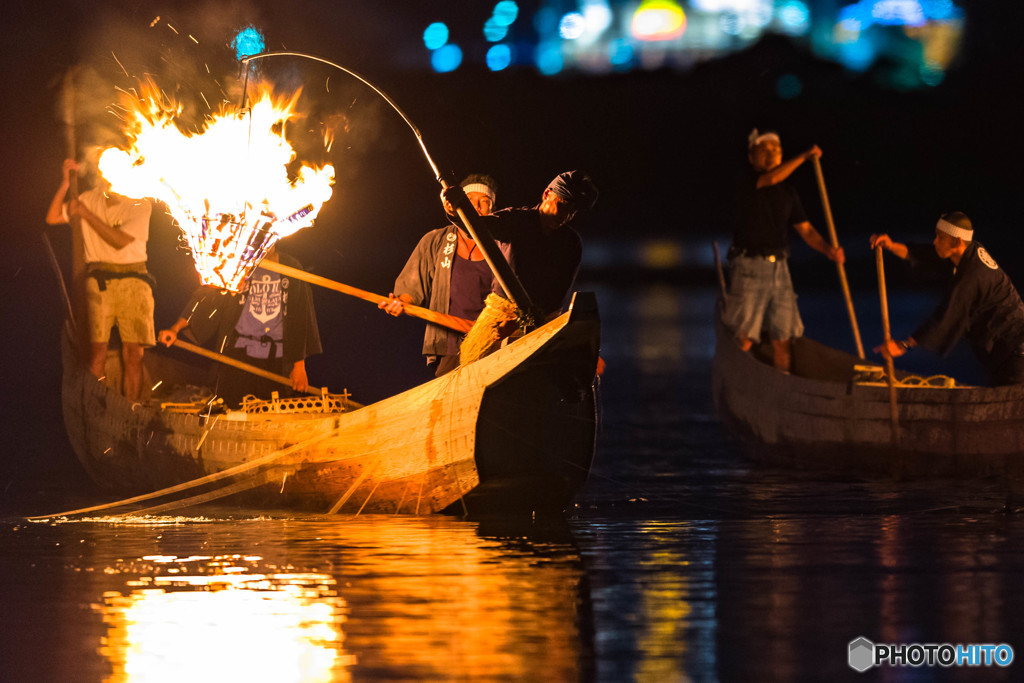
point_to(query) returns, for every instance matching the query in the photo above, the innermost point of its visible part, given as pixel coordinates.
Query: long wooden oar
(839, 266)
(890, 370)
(443, 319)
(226, 360)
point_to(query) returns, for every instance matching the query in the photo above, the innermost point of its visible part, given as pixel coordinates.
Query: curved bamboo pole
(442, 319)
(839, 266)
(890, 370)
(503, 273)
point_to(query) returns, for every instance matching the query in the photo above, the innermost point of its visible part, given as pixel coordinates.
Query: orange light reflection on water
(406, 598)
(211, 618)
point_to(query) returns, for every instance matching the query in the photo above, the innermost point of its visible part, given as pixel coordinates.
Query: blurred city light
(788, 86)
(794, 18)
(499, 57)
(505, 13)
(435, 36)
(549, 58)
(572, 26)
(658, 20)
(597, 36)
(446, 58)
(493, 31)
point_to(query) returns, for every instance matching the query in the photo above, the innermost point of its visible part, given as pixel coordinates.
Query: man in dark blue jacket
(980, 303)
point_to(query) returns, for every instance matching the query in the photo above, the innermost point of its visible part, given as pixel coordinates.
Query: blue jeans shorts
(761, 297)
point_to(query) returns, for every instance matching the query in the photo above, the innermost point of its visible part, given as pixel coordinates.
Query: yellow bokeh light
(658, 20)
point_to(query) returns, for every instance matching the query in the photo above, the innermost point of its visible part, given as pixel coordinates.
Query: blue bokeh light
(572, 26)
(435, 36)
(493, 31)
(795, 17)
(549, 58)
(499, 57)
(446, 58)
(789, 86)
(545, 21)
(620, 53)
(932, 74)
(505, 13)
(857, 56)
(248, 42)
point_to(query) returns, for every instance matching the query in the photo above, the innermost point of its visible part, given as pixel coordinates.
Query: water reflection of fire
(227, 186)
(209, 618)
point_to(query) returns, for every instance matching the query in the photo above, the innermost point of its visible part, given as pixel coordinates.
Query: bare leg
(98, 359)
(782, 354)
(131, 354)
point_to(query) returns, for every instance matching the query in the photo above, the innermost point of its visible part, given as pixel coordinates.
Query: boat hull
(819, 417)
(513, 431)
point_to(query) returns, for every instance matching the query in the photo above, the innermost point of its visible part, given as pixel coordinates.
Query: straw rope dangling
(487, 330)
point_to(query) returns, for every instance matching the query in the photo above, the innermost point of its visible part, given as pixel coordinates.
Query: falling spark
(153, 388)
(119, 63)
(193, 39)
(154, 22)
(173, 29)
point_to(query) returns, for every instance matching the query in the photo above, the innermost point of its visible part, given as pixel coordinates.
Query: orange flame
(227, 186)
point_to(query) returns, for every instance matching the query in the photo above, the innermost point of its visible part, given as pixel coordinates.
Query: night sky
(663, 147)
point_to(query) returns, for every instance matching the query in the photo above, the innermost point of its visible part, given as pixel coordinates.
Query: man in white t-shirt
(118, 288)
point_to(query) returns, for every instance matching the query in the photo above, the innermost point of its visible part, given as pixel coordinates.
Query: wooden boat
(513, 431)
(831, 413)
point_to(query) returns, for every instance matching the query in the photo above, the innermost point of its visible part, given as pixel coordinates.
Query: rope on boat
(870, 375)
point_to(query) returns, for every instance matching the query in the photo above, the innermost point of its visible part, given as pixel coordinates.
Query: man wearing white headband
(980, 303)
(447, 273)
(761, 295)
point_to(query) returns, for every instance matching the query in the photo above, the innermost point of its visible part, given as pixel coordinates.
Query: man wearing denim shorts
(118, 288)
(761, 294)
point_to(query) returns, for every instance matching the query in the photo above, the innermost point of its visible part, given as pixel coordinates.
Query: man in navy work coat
(980, 304)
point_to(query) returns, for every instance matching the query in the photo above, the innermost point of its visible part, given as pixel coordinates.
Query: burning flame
(227, 186)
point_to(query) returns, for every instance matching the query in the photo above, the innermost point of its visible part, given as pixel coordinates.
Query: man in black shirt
(540, 243)
(761, 293)
(980, 303)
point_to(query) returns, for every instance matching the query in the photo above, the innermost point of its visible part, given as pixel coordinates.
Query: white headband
(955, 230)
(481, 188)
(755, 139)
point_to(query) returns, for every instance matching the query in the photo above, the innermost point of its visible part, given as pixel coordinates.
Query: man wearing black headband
(761, 293)
(447, 273)
(980, 303)
(539, 242)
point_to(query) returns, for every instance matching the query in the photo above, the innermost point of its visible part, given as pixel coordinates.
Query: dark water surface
(680, 561)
